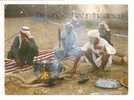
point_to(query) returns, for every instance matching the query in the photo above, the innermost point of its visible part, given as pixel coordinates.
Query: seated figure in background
(105, 32)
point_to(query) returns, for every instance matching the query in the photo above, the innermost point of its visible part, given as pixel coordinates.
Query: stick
(59, 32)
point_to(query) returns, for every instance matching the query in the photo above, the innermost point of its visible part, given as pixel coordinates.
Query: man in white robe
(98, 51)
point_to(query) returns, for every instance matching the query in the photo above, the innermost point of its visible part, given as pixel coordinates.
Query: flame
(44, 75)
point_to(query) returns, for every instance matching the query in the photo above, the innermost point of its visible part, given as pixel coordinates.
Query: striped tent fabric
(11, 66)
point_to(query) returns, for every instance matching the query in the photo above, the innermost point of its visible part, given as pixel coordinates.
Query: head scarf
(25, 30)
(103, 25)
(92, 35)
(68, 27)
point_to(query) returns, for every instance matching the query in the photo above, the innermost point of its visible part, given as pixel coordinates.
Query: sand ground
(43, 33)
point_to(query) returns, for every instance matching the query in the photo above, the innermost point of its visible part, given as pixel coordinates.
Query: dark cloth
(106, 35)
(14, 49)
(89, 56)
(25, 53)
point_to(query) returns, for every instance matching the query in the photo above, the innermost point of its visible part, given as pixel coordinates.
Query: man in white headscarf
(98, 51)
(24, 47)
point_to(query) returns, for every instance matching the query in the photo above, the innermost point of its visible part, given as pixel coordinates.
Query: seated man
(68, 39)
(98, 51)
(105, 32)
(23, 48)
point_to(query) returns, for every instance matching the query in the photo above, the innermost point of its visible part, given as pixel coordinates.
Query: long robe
(25, 53)
(70, 49)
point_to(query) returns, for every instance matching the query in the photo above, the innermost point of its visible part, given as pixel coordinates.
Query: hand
(103, 51)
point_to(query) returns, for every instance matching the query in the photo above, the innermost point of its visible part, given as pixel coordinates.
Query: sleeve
(14, 49)
(34, 46)
(15, 43)
(110, 49)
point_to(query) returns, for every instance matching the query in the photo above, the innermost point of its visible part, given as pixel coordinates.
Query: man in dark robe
(23, 48)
